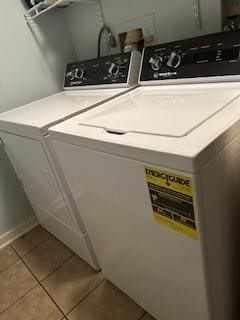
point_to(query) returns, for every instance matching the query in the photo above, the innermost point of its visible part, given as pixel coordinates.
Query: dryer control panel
(116, 69)
(207, 56)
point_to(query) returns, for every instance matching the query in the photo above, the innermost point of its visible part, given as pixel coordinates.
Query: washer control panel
(207, 56)
(103, 71)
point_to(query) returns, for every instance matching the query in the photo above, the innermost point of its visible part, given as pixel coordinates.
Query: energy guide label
(172, 200)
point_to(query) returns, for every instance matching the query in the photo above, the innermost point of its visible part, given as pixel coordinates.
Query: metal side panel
(78, 243)
(33, 169)
(220, 185)
(160, 268)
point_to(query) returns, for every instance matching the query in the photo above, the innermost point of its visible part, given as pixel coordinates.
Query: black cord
(29, 4)
(99, 41)
(111, 39)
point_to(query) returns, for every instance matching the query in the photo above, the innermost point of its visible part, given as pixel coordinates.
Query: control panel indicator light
(203, 61)
(161, 49)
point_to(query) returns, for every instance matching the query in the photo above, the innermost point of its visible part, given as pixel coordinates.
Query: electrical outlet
(232, 7)
(130, 38)
(146, 23)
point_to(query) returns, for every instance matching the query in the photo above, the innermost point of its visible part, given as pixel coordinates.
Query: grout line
(39, 282)
(42, 286)
(58, 267)
(18, 254)
(88, 294)
(144, 314)
(11, 264)
(50, 237)
(38, 245)
(12, 304)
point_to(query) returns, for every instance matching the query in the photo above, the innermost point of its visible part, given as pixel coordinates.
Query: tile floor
(42, 279)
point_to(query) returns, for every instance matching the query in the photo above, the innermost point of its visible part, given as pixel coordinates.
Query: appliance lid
(170, 113)
(48, 111)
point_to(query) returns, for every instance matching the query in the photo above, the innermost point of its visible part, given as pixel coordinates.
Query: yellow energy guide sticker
(172, 200)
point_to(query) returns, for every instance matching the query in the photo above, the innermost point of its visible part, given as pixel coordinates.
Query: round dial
(76, 73)
(174, 60)
(156, 62)
(114, 69)
(70, 74)
(80, 73)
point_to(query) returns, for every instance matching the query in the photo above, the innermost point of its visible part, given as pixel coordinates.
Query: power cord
(110, 38)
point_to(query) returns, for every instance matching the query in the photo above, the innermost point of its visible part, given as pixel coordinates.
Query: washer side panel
(152, 263)
(220, 185)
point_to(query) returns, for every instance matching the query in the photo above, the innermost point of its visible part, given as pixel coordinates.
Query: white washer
(155, 174)
(23, 132)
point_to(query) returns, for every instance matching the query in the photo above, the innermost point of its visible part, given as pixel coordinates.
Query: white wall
(31, 66)
(169, 20)
(32, 59)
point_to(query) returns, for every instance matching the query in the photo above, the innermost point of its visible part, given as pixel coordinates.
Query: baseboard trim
(17, 232)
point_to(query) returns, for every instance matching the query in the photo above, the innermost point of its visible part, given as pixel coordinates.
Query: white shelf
(45, 6)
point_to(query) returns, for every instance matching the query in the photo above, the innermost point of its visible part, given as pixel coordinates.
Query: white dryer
(155, 174)
(23, 133)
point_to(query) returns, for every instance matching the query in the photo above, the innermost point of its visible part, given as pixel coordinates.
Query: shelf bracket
(44, 6)
(100, 13)
(196, 14)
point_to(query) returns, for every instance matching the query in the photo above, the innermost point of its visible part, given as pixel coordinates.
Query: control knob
(76, 73)
(70, 75)
(174, 60)
(156, 62)
(80, 73)
(114, 69)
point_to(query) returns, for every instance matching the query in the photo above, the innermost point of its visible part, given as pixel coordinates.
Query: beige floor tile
(7, 257)
(15, 281)
(106, 302)
(47, 257)
(30, 240)
(69, 284)
(147, 317)
(35, 305)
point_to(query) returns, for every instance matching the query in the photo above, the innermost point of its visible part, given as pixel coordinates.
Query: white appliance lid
(170, 113)
(45, 112)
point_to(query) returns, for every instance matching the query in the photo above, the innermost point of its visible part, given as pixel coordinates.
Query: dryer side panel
(33, 169)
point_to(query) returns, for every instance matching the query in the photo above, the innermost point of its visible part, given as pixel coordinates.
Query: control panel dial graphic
(76, 74)
(215, 55)
(174, 60)
(70, 75)
(80, 73)
(156, 62)
(114, 69)
(106, 70)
